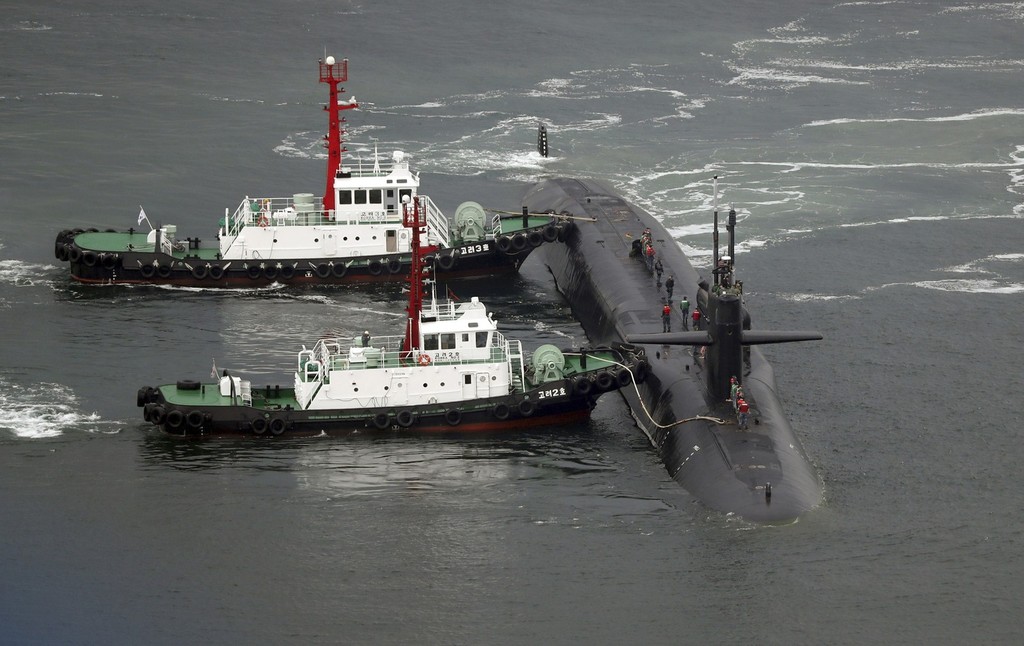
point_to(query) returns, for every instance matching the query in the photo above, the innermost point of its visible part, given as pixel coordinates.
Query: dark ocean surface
(873, 150)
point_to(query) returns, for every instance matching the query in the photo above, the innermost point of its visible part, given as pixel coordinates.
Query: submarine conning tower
(727, 322)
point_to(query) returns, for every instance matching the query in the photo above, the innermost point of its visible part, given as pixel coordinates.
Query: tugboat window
(430, 342)
(481, 339)
(376, 197)
(344, 197)
(448, 341)
(360, 195)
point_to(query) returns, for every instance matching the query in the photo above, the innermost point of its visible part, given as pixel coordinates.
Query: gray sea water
(873, 150)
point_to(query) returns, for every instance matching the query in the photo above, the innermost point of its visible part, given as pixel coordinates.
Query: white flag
(213, 373)
(143, 218)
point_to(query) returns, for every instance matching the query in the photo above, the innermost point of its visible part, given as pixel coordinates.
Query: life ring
(500, 411)
(264, 220)
(253, 271)
(605, 381)
(339, 270)
(504, 243)
(453, 417)
(550, 233)
(519, 241)
(158, 415)
(582, 386)
(277, 426)
(259, 425)
(535, 238)
(147, 271)
(75, 253)
(199, 272)
(323, 270)
(164, 271)
(216, 272)
(446, 261)
(175, 419)
(375, 267)
(287, 271)
(423, 359)
(405, 418)
(194, 419)
(394, 266)
(381, 421)
(527, 407)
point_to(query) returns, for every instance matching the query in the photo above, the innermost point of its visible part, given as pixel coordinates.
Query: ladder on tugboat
(516, 366)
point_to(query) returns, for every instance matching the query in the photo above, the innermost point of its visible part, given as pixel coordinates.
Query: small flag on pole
(213, 373)
(143, 218)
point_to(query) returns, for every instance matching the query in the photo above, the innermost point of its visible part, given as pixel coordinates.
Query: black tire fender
(405, 418)
(259, 425)
(453, 417)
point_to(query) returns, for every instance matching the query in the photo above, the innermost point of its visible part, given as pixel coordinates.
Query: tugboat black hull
(193, 409)
(105, 259)
(761, 474)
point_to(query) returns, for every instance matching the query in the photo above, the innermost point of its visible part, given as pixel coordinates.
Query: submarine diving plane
(738, 458)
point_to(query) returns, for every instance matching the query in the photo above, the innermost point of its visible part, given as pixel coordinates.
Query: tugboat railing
(285, 212)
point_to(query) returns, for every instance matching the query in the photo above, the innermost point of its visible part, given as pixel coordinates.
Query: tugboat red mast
(414, 218)
(333, 74)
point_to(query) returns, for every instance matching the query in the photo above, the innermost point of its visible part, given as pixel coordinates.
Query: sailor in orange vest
(666, 318)
(696, 318)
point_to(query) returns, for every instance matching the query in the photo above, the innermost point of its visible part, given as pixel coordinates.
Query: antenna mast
(333, 74)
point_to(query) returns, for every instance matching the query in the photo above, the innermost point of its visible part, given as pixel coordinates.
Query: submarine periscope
(709, 403)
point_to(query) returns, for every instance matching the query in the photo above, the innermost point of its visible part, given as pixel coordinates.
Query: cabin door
(398, 391)
(330, 244)
(483, 384)
(392, 241)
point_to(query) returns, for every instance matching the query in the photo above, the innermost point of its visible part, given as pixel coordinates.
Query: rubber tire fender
(394, 266)
(381, 421)
(550, 233)
(535, 238)
(277, 425)
(527, 407)
(504, 243)
(500, 411)
(446, 261)
(405, 418)
(259, 425)
(582, 385)
(375, 267)
(453, 417)
(194, 419)
(175, 419)
(604, 381)
(323, 270)
(216, 272)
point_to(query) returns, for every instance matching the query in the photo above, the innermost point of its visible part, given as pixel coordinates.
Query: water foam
(45, 410)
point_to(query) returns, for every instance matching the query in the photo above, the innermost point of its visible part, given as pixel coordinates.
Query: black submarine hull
(761, 474)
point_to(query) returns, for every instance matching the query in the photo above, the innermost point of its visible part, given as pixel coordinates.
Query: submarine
(743, 460)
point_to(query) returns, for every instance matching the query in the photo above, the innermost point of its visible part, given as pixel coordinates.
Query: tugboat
(352, 234)
(451, 371)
